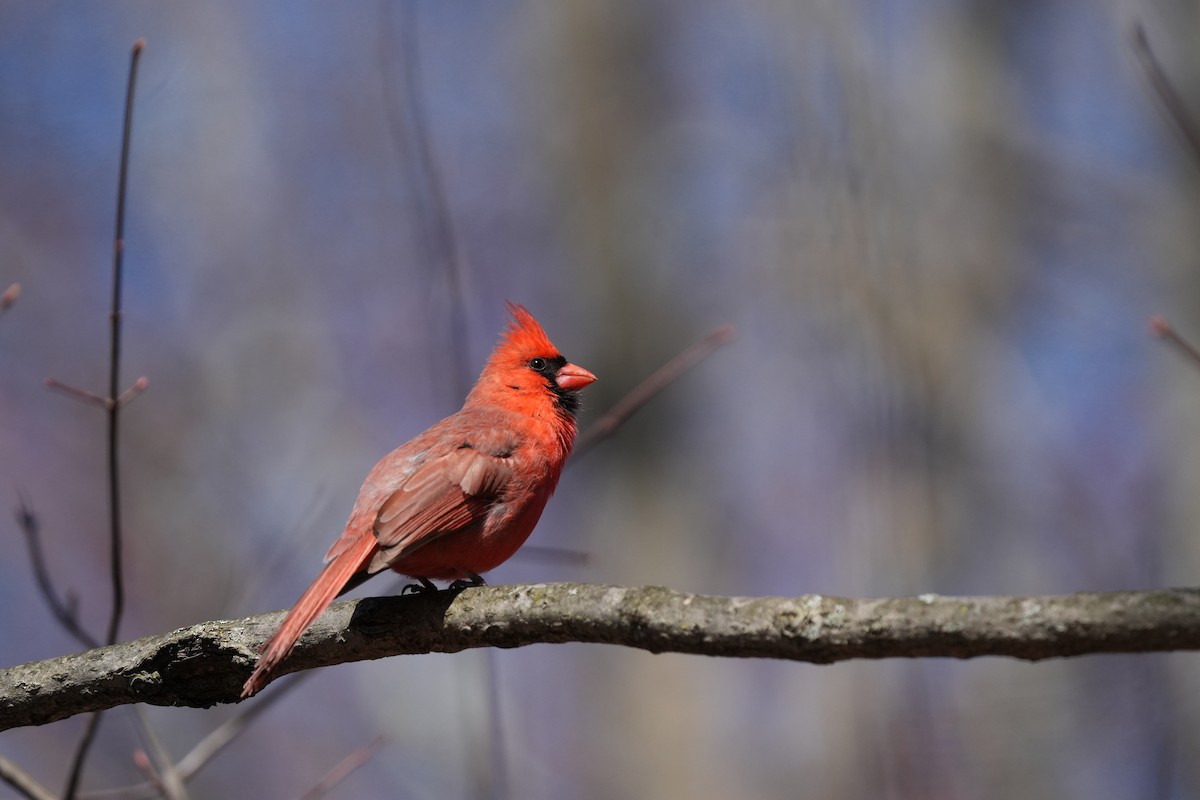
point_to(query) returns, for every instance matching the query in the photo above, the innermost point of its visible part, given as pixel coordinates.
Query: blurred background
(939, 228)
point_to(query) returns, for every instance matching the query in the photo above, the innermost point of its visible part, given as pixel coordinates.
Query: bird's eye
(537, 364)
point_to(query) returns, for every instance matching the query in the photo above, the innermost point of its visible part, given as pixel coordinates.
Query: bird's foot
(423, 585)
(472, 580)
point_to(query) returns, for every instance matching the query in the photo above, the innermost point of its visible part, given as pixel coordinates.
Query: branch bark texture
(206, 664)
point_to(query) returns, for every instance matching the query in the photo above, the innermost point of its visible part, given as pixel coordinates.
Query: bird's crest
(525, 335)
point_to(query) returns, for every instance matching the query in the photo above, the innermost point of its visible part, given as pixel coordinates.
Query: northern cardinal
(460, 498)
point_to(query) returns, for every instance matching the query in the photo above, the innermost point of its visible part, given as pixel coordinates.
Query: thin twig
(24, 783)
(139, 386)
(215, 742)
(75, 393)
(113, 408)
(1163, 329)
(75, 772)
(645, 391)
(62, 611)
(343, 768)
(114, 372)
(159, 761)
(620, 413)
(91, 398)
(1170, 98)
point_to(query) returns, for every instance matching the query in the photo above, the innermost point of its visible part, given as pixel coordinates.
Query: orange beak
(573, 377)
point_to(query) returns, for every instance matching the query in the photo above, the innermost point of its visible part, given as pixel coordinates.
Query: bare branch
(74, 392)
(648, 389)
(63, 611)
(114, 362)
(22, 781)
(112, 406)
(207, 663)
(93, 399)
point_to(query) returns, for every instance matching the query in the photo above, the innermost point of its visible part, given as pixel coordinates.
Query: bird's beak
(573, 377)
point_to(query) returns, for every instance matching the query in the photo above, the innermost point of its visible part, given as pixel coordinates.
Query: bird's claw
(423, 585)
(459, 585)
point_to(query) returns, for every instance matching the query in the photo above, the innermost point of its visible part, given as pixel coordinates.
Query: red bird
(460, 498)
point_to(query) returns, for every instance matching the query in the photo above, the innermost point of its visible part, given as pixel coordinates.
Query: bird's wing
(443, 495)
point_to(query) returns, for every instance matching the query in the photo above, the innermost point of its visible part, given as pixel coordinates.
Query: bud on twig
(9, 297)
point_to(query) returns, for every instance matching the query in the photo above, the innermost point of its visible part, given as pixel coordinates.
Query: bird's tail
(316, 598)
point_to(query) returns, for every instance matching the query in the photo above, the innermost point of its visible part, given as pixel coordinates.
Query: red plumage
(460, 498)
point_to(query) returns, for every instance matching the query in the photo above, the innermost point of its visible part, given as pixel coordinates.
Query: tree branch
(63, 610)
(207, 663)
